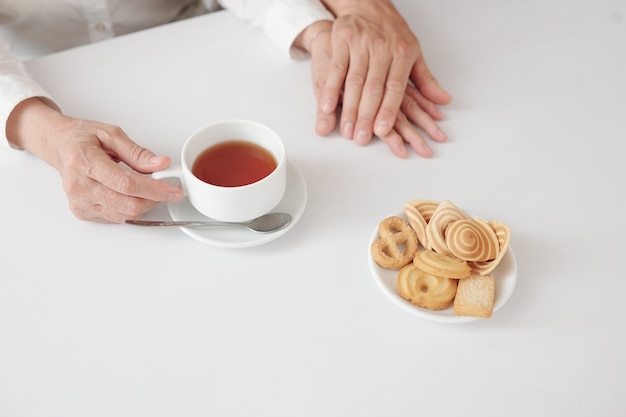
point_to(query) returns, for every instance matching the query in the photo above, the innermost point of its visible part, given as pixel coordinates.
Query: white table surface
(115, 320)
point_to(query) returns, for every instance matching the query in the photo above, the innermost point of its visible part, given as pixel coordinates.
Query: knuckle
(355, 80)
(344, 32)
(319, 84)
(379, 43)
(72, 184)
(395, 85)
(374, 88)
(408, 105)
(80, 210)
(107, 134)
(338, 67)
(386, 114)
(133, 207)
(113, 130)
(138, 153)
(122, 183)
(407, 49)
(71, 187)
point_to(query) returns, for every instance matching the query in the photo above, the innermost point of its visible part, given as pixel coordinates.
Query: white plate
(293, 203)
(505, 275)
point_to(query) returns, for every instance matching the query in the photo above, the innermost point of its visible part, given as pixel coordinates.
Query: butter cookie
(396, 245)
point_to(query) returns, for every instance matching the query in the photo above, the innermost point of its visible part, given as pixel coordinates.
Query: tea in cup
(233, 170)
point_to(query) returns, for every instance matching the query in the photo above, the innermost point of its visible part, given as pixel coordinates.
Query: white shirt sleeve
(16, 85)
(282, 20)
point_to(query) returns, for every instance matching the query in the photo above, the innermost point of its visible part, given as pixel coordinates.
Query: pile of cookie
(443, 255)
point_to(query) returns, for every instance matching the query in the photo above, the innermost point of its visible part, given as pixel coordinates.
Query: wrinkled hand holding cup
(232, 171)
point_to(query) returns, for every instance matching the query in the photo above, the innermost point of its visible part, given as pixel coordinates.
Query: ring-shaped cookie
(425, 290)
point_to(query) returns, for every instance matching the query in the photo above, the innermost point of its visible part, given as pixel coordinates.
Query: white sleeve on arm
(282, 20)
(16, 85)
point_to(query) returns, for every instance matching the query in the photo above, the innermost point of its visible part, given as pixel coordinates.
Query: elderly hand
(373, 56)
(86, 154)
(414, 108)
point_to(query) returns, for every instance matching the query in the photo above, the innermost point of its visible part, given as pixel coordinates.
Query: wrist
(308, 36)
(346, 7)
(28, 125)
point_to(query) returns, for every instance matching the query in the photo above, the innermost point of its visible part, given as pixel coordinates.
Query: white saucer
(293, 203)
(505, 275)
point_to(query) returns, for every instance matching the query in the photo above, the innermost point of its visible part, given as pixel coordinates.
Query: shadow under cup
(233, 203)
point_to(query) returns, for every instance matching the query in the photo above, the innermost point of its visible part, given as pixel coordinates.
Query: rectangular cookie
(475, 296)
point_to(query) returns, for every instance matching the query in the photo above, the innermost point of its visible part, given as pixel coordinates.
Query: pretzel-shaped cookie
(396, 245)
(425, 290)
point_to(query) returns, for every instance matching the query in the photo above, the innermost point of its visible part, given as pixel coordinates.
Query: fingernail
(381, 128)
(175, 196)
(155, 159)
(441, 135)
(362, 137)
(427, 152)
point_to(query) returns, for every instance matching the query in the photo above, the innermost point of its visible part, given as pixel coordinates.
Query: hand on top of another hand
(87, 155)
(372, 64)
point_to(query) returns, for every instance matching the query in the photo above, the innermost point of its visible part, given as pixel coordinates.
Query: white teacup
(231, 203)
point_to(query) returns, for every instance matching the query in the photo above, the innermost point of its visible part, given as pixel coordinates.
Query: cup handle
(174, 171)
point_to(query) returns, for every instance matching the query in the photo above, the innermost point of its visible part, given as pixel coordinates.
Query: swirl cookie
(472, 240)
(425, 290)
(419, 213)
(396, 245)
(441, 265)
(455, 267)
(503, 235)
(445, 214)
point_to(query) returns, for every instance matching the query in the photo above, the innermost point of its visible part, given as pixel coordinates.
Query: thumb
(141, 159)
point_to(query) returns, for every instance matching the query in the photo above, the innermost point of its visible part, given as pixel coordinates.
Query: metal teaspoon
(267, 223)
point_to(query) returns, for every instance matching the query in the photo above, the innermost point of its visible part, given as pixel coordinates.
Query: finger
(353, 88)
(126, 182)
(338, 68)
(106, 171)
(395, 143)
(320, 66)
(417, 115)
(90, 211)
(117, 144)
(372, 95)
(410, 135)
(427, 83)
(92, 201)
(325, 123)
(395, 87)
(428, 106)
